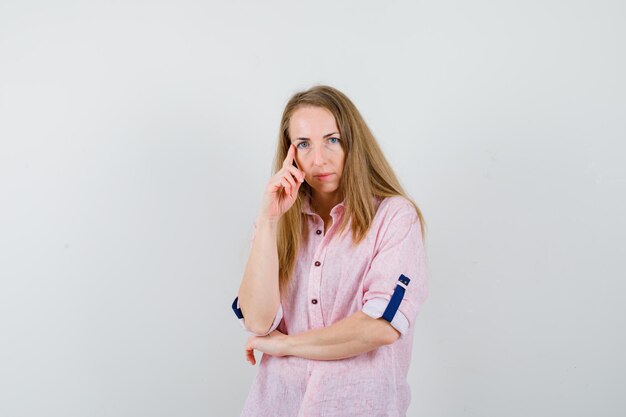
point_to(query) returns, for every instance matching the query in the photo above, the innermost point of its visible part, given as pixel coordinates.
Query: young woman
(337, 271)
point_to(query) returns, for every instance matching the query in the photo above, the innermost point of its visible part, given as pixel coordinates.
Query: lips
(323, 175)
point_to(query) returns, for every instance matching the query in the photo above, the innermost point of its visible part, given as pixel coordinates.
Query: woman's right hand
(282, 188)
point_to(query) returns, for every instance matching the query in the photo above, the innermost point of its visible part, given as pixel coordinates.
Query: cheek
(302, 158)
(341, 160)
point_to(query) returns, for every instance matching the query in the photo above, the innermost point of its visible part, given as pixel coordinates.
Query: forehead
(311, 122)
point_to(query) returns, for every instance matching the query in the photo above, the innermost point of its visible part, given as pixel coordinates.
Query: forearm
(259, 295)
(352, 336)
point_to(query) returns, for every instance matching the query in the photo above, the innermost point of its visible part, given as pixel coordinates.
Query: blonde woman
(336, 273)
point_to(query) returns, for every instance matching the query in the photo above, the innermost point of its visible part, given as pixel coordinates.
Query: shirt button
(317, 263)
(314, 301)
(319, 232)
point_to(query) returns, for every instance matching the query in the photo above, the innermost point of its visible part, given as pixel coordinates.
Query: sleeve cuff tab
(396, 298)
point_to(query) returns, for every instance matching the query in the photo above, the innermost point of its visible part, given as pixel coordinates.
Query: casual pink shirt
(333, 280)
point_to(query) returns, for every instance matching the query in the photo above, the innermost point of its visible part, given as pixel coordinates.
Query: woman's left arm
(356, 334)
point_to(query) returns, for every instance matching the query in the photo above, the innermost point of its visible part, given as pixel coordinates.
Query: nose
(318, 156)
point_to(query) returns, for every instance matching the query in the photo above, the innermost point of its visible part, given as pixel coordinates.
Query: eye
(337, 140)
(298, 145)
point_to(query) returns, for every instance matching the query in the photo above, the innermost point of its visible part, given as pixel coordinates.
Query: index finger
(290, 155)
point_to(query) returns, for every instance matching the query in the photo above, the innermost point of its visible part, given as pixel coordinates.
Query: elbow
(387, 334)
(392, 335)
(259, 323)
(259, 329)
(380, 332)
(250, 323)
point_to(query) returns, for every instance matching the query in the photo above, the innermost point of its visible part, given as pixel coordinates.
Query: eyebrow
(326, 135)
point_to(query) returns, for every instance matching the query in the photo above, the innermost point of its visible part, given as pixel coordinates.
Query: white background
(136, 139)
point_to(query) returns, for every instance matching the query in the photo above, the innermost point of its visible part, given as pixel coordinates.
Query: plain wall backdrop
(136, 139)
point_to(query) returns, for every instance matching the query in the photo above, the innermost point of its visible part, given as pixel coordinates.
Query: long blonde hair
(366, 173)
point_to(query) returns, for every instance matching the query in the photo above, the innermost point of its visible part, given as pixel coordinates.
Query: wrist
(265, 220)
(287, 346)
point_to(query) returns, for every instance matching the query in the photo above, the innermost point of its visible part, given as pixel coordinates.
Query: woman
(337, 271)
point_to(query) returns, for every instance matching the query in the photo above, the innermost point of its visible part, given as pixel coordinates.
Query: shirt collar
(306, 206)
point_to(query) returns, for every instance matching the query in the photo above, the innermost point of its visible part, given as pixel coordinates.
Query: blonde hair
(366, 173)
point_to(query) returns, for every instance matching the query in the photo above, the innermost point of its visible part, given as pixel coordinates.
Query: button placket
(315, 284)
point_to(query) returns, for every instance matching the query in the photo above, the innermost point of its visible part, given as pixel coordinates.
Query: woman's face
(314, 132)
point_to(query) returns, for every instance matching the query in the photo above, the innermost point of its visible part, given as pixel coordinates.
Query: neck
(323, 203)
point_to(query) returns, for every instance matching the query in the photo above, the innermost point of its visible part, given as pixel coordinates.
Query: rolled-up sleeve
(239, 314)
(400, 252)
(237, 310)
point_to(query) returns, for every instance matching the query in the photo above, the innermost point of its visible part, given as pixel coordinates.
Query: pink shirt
(334, 279)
